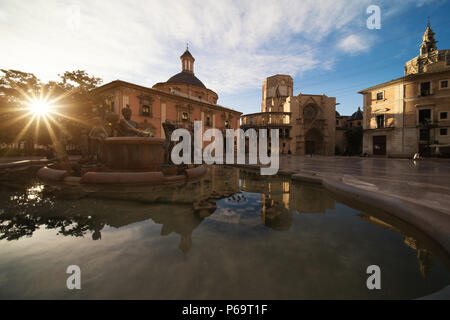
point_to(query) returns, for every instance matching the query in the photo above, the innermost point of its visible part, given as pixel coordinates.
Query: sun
(39, 107)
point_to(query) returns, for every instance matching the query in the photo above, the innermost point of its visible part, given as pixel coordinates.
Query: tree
(354, 138)
(72, 95)
(79, 101)
(17, 88)
(16, 85)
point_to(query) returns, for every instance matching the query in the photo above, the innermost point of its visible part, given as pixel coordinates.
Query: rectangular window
(208, 121)
(443, 132)
(425, 88)
(424, 116)
(185, 116)
(380, 121)
(444, 84)
(146, 112)
(443, 116)
(380, 95)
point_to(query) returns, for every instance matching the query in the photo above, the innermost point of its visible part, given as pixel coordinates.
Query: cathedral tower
(429, 43)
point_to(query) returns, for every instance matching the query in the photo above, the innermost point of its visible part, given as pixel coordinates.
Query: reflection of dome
(358, 115)
(187, 77)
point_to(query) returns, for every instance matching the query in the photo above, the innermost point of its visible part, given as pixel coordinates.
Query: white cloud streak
(236, 43)
(354, 44)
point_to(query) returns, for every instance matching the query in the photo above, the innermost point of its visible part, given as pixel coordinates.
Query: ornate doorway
(314, 142)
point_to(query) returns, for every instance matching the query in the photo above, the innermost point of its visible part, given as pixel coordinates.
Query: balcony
(266, 119)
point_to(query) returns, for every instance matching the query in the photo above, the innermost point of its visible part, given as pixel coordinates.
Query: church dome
(186, 77)
(358, 115)
(187, 71)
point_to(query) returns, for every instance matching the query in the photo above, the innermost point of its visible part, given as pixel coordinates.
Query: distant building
(182, 99)
(343, 123)
(341, 127)
(306, 122)
(411, 114)
(356, 119)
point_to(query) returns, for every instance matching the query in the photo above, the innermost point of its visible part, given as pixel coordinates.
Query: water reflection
(424, 256)
(224, 195)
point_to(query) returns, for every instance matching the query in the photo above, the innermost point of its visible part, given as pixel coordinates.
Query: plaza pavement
(426, 181)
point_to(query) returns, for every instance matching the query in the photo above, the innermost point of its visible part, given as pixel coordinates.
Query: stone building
(343, 123)
(356, 119)
(341, 127)
(182, 99)
(411, 114)
(306, 122)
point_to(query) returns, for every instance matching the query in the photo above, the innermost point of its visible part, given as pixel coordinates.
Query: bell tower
(187, 61)
(429, 43)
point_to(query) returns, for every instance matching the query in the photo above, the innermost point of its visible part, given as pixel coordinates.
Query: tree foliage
(73, 95)
(354, 138)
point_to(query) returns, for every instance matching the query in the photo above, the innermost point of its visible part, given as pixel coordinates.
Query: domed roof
(358, 115)
(187, 77)
(337, 114)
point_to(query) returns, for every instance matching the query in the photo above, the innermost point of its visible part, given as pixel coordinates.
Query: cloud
(236, 44)
(353, 44)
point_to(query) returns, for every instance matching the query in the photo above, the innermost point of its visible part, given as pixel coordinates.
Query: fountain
(131, 156)
(133, 153)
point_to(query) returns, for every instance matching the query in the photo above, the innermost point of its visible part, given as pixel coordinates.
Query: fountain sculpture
(130, 156)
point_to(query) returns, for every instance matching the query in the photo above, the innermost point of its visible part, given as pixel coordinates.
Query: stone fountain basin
(49, 174)
(133, 153)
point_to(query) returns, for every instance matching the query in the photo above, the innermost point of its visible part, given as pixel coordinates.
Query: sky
(324, 45)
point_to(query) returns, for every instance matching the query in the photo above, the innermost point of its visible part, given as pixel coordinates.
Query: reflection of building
(305, 198)
(274, 192)
(223, 181)
(411, 114)
(182, 99)
(298, 197)
(306, 122)
(424, 256)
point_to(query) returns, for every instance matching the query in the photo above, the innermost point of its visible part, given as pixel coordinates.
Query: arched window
(310, 112)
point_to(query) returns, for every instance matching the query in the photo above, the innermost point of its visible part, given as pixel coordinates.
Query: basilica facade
(306, 122)
(182, 99)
